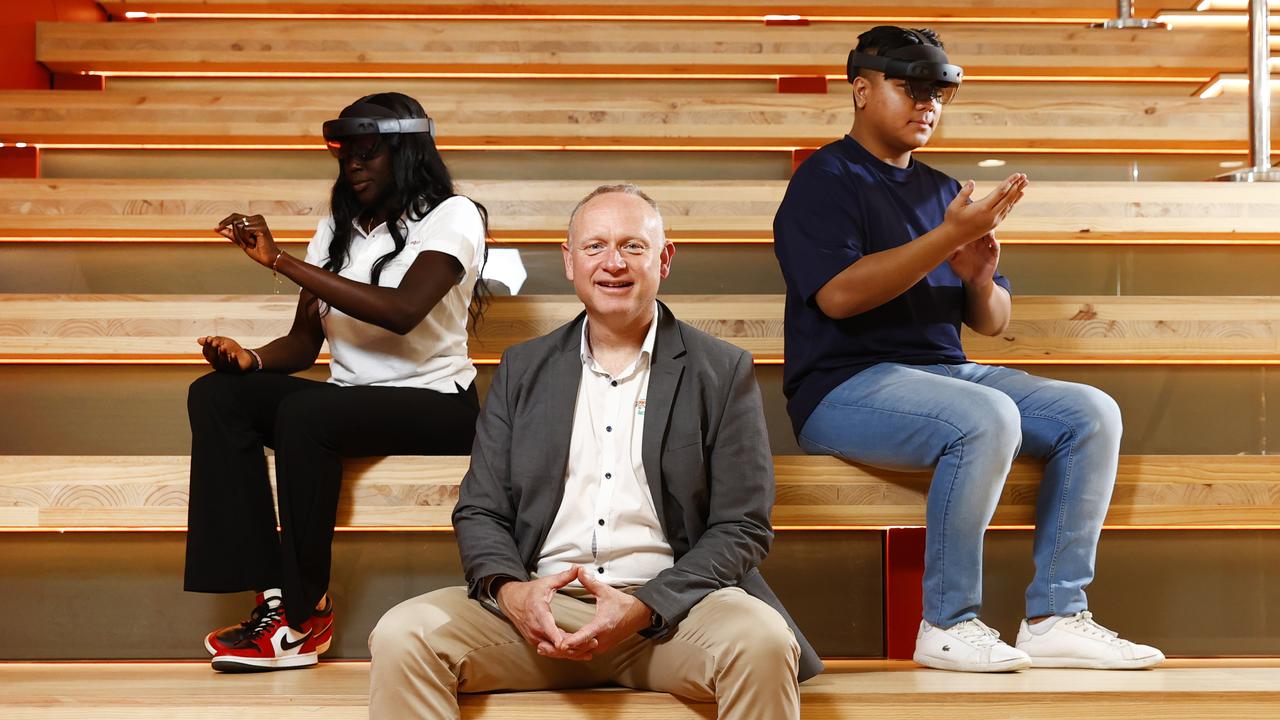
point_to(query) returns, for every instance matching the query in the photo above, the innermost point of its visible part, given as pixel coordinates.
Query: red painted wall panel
(18, 67)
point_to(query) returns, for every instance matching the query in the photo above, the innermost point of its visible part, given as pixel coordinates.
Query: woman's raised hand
(251, 234)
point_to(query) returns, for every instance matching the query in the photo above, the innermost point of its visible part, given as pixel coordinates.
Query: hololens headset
(361, 130)
(925, 68)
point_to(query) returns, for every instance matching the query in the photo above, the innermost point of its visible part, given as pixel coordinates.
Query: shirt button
(608, 428)
(600, 521)
(608, 476)
(600, 570)
(614, 383)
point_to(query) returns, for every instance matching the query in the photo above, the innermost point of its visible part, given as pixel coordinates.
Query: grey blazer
(705, 453)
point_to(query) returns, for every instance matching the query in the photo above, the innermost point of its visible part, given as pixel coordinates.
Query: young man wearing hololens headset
(388, 280)
(884, 259)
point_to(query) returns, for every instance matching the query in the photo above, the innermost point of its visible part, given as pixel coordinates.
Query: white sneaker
(969, 646)
(1077, 641)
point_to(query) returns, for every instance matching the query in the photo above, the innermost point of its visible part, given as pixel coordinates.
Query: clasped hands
(528, 606)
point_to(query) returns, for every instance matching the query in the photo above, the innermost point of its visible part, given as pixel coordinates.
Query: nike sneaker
(224, 638)
(268, 644)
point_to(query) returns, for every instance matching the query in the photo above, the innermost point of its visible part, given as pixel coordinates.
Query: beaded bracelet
(257, 359)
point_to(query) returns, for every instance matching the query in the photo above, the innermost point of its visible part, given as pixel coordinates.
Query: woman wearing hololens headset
(389, 281)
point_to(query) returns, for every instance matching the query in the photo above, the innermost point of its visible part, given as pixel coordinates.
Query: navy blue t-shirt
(844, 203)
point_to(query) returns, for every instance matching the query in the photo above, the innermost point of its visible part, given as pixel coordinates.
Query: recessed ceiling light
(1231, 164)
(991, 162)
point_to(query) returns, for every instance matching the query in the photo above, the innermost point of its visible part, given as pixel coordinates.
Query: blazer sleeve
(741, 491)
(484, 517)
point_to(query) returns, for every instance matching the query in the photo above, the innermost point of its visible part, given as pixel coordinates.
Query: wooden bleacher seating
(611, 48)
(1112, 118)
(728, 211)
(1199, 689)
(1045, 329)
(747, 9)
(51, 491)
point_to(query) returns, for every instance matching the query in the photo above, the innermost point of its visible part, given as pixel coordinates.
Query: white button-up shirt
(607, 519)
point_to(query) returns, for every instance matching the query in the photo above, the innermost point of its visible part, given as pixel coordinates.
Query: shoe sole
(940, 664)
(1086, 664)
(234, 664)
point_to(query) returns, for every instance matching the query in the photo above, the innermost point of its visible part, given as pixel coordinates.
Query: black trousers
(232, 541)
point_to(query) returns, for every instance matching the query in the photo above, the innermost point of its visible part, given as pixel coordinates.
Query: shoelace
(976, 633)
(255, 616)
(1085, 622)
(268, 619)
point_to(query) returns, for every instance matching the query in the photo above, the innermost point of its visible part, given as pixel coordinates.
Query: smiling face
(886, 108)
(616, 257)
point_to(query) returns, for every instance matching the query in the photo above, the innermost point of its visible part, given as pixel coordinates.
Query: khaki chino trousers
(732, 649)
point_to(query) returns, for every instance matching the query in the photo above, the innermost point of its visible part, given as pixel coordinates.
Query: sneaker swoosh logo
(286, 645)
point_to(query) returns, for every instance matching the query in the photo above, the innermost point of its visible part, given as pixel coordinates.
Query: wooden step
(466, 48)
(849, 690)
(826, 10)
(1183, 491)
(1045, 329)
(701, 211)
(1238, 83)
(1011, 117)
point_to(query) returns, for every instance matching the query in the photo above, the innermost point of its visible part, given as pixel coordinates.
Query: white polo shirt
(434, 354)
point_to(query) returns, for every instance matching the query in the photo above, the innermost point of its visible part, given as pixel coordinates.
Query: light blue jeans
(967, 423)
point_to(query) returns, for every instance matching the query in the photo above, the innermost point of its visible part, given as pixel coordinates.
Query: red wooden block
(76, 81)
(803, 84)
(19, 162)
(903, 578)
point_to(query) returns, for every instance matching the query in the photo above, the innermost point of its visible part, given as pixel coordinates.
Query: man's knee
(756, 636)
(990, 419)
(410, 631)
(1096, 412)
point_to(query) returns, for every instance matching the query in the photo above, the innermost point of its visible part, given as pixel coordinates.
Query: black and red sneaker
(224, 638)
(268, 644)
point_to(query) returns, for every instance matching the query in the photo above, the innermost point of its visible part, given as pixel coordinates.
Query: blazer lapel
(665, 370)
(558, 393)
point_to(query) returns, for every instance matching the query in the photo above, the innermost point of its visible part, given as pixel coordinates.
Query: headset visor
(923, 91)
(362, 136)
(362, 147)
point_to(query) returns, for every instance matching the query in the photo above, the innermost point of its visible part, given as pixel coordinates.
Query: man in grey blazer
(615, 512)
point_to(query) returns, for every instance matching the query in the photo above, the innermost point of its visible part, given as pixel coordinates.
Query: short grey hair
(625, 189)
